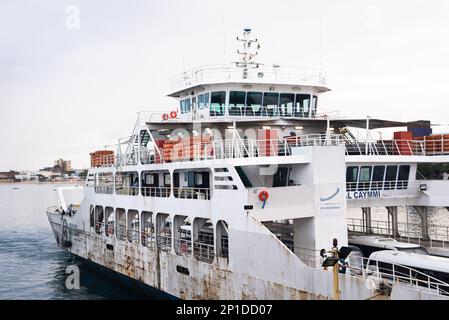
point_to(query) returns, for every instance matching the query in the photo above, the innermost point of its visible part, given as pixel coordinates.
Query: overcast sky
(67, 89)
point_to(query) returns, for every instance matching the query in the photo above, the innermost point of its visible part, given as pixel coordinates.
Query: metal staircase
(244, 177)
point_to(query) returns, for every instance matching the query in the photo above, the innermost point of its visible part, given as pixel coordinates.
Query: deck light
(423, 187)
(299, 127)
(266, 127)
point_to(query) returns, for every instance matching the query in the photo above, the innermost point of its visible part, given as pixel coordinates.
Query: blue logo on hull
(331, 197)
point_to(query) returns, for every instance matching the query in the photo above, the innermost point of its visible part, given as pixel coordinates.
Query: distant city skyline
(73, 74)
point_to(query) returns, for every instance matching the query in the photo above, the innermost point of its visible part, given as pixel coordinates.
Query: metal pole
(406, 215)
(336, 293)
(367, 135)
(328, 130)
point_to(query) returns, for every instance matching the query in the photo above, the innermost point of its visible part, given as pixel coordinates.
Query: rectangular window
(365, 174)
(286, 104)
(351, 178)
(217, 103)
(206, 100)
(237, 101)
(390, 177)
(314, 105)
(190, 179)
(302, 105)
(403, 175)
(253, 103)
(198, 179)
(167, 180)
(364, 178)
(185, 105)
(270, 103)
(201, 102)
(378, 178)
(127, 183)
(149, 179)
(182, 104)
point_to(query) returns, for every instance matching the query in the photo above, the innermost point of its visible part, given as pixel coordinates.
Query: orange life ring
(263, 195)
(165, 116)
(173, 114)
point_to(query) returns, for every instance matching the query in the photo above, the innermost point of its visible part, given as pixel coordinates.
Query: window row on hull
(200, 237)
(378, 177)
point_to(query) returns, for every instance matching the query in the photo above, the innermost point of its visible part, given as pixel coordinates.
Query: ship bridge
(248, 88)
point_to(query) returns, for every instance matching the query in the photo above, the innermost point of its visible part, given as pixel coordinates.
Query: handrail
(192, 193)
(230, 72)
(406, 231)
(362, 267)
(162, 192)
(242, 148)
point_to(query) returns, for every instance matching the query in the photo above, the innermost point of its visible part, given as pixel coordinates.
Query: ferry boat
(233, 193)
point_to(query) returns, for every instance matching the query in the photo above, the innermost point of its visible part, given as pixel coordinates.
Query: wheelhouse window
(302, 105)
(217, 103)
(186, 105)
(286, 103)
(203, 101)
(253, 103)
(351, 178)
(314, 105)
(270, 103)
(237, 101)
(182, 106)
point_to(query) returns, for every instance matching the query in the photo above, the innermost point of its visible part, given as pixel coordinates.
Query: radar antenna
(250, 49)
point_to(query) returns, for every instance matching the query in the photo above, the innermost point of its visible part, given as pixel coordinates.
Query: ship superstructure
(233, 193)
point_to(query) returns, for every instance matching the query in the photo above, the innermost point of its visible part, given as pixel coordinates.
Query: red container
(403, 135)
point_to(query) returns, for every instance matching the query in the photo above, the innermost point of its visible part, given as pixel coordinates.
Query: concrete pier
(393, 221)
(422, 211)
(366, 217)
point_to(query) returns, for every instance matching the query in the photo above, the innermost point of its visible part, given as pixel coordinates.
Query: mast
(250, 49)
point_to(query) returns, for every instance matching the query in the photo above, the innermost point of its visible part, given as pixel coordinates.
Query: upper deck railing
(262, 74)
(428, 147)
(249, 148)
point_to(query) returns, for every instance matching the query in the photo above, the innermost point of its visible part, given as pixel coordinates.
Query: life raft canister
(263, 195)
(173, 114)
